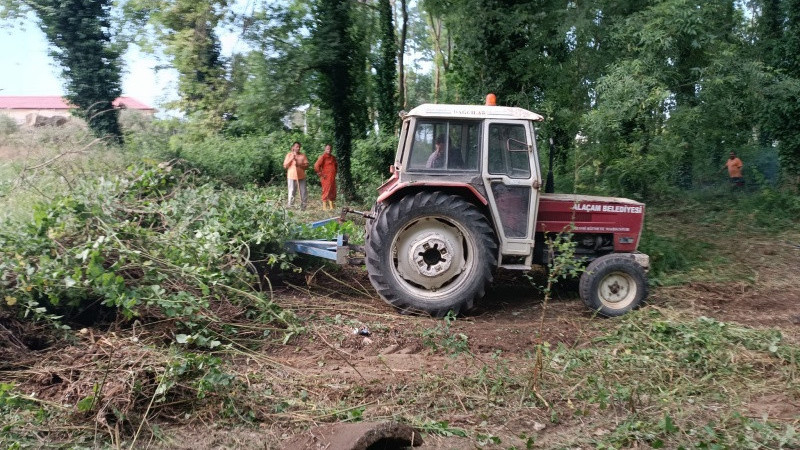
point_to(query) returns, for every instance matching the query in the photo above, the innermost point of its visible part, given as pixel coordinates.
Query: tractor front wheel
(431, 252)
(613, 284)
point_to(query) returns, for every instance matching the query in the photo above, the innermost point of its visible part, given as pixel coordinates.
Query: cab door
(512, 179)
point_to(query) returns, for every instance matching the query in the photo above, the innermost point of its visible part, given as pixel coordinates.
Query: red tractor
(465, 198)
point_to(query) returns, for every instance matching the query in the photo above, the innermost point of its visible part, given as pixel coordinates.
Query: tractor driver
(436, 160)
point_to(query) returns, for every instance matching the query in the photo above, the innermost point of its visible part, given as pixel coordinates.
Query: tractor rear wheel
(613, 284)
(431, 252)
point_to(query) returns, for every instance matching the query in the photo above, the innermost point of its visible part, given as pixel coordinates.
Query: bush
(236, 162)
(671, 255)
(7, 125)
(370, 164)
(240, 161)
(145, 244)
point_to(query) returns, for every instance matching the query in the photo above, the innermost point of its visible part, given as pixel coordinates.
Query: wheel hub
(617, 288)
(429, 253)
(431, 256)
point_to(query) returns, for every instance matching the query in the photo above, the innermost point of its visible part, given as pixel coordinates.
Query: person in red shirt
(326, 169)
(734, 166)
(296, 164)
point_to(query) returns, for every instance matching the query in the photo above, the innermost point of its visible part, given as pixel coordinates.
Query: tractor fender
(399, 189)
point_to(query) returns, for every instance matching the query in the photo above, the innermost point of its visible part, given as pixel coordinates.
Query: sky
(27, 69)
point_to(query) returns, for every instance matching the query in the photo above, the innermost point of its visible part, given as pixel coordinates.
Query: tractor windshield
(442, 145)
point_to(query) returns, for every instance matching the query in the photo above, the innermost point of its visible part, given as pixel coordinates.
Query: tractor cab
(485, 153)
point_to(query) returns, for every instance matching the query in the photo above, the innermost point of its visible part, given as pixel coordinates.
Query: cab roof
(473, 112)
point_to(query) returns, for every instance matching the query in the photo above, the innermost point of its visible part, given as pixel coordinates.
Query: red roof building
(20, 107)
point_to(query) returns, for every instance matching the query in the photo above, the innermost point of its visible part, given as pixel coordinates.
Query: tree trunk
(400, 52)
(436, 33)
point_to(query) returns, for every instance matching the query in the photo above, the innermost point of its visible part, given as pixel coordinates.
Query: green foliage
(338, 55)
(187, 29)
(79, 32)
(237, 162)
(332, 229)
(7, 125)
(771, 208)
(441, 428)
(779, 113)
(562, 262)
(270, 82)
(700, 347)
(670, 256)
(386, 69)
(621, 131)
(766, 208)
(442, 338)
(145, 244)
(202, 374)
(371, 160)
(17, 411)
(701, 360)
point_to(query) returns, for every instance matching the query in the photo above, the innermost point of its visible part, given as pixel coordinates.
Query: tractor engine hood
(621, 217)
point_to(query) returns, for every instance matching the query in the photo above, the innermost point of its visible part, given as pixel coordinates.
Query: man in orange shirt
(296, 164)
(734, 166)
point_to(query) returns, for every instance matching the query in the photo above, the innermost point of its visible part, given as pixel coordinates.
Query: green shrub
(370, 163)
(7, 125)
(236, 162)
(671, 255)
(772, 208)
(145, 244)
(150, 139)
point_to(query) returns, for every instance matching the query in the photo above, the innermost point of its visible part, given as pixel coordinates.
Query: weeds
(562, 265)
(442, 338)
(145, 245)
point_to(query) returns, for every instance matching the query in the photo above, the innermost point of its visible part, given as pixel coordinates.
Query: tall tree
(769, 32)
(401, 50)
(783, 97)
(336, 59)
(187, 28)
(275, 77)
(442, 52)
(387, 69)
(79, 34)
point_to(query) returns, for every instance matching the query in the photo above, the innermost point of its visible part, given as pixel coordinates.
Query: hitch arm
(346, 211)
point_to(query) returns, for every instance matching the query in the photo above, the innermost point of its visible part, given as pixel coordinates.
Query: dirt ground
(331, 357)
(508, 321)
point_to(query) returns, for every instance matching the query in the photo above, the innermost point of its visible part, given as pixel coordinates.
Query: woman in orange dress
(326, 169)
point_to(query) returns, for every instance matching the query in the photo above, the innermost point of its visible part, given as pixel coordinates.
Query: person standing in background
(296, 164)
(734, 166)
(326, 169)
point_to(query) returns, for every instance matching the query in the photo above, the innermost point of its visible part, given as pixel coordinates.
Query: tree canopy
(640, 96)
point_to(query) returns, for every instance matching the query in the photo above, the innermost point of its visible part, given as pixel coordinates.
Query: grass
(705, 236)
(36, 165)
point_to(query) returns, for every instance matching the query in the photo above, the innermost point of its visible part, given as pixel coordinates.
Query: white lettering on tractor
(596, 207)
(602, 229)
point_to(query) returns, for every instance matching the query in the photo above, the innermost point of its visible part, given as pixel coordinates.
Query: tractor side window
(464, 146)
(508, 150)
